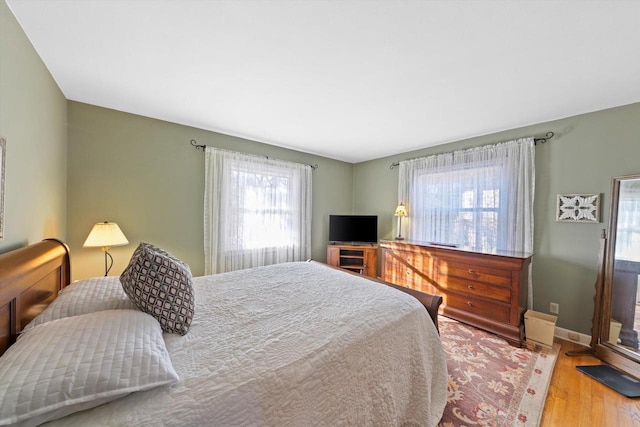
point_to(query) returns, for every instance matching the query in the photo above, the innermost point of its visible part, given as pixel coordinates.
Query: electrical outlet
(573, 336)
(554, 307)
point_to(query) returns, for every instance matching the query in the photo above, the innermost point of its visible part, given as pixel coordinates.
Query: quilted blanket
(295, 344)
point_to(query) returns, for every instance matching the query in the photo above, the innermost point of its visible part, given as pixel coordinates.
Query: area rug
(490, 382)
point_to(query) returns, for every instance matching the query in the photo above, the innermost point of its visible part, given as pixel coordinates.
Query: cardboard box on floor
(614, 331)
(539, 327)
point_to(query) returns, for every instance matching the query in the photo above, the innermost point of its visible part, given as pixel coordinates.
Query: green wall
(587, 151)
(143, 174)
(33, 119)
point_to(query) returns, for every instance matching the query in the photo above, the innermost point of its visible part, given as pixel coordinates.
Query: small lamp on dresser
(105, 235)
(401, 211)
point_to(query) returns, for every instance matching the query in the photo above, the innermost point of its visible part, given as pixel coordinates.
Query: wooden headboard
(30, 278)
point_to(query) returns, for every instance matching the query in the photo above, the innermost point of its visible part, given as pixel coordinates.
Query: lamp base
(107, 267)
(399, 229)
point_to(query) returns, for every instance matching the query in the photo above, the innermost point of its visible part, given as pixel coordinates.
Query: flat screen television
(353, 228)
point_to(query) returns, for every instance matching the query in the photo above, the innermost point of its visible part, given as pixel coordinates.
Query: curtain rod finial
(544, 139)
(194, 143)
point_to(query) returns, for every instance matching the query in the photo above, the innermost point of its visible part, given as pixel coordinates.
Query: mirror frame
(615, 355)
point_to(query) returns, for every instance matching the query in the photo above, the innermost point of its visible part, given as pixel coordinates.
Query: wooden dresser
(485, 290)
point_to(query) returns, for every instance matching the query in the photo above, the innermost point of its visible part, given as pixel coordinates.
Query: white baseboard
(564, 334)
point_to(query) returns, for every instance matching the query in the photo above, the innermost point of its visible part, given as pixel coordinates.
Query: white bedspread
(296, 344)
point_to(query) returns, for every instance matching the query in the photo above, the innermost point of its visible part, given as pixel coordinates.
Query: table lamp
(401, 211)
(105, 235)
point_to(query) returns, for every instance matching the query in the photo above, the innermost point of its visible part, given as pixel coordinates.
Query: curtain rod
(195, 144)
(541, 140)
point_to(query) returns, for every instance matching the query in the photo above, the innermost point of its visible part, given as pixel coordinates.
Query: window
(263, 208)
(257, 211)
(462, 206)
(480, 198)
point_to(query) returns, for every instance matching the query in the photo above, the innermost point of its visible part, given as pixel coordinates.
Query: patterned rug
(490, 382)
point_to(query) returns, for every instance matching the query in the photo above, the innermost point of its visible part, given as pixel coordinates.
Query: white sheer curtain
(257, 211)
(480, 198)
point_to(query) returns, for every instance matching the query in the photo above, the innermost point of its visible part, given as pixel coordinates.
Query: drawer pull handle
(469, 303)
(470, 286)
(471, 271)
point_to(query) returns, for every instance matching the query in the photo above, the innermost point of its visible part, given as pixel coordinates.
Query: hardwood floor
(574, 399)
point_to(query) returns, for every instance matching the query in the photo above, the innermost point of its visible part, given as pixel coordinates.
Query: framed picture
(3, 152)
(578, 208)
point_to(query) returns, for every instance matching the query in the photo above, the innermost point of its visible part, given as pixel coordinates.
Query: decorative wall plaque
(578, 207)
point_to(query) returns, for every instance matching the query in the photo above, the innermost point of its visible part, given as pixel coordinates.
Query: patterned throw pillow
(161, 285)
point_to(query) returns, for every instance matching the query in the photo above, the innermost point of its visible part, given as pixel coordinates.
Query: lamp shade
(401, 210)
(105, 235)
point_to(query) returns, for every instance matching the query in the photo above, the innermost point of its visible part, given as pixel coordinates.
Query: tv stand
(362, 259)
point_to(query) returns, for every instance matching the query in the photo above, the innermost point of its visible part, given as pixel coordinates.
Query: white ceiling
(349, 80)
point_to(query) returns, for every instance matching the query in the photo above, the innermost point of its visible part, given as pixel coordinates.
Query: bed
(296, 344)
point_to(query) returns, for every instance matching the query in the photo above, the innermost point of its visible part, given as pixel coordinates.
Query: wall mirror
(617, 302)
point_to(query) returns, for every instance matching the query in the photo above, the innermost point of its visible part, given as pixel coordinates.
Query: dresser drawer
(394, 275)
(393, 270)
(409, 259)
(412, 278)
(405, 269)
(487, 309)
(475, 288)
(473, 272)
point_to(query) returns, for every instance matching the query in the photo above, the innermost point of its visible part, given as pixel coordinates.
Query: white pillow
(80, 362)
(85, 296)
